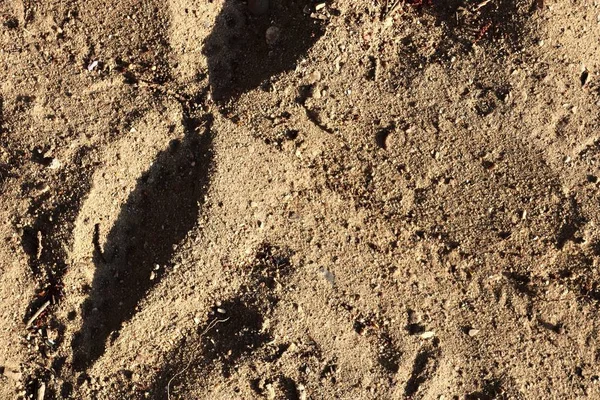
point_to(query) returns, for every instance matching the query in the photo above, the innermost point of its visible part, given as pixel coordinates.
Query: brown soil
(363, 200)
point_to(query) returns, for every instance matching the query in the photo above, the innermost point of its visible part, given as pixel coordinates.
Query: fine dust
(300, 199)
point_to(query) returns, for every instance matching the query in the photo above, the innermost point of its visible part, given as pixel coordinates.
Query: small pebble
(328, 276)
(427, 335)
(301, 391)
(315, 76)
(55, 164)
(316, 93)
(92, 66)
(473, 332)
(270, 391)
(272, 35)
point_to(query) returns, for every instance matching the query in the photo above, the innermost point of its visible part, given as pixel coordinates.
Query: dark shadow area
(237, 336)
(556, 328)
(382, 135)
(573, 221)
(4, 175)
(329, 372)
(424, 366)
(4, 168)
(577, 272)
(234, 329)
(521, 282)
(244, 50)
(389, 355)
(157, 216)
(492, 390)
(289, 386)
(595, 246)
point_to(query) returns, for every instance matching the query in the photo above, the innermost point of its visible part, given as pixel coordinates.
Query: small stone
(52, 335)
(55, 164)
(152, 275)
(319, 6)
(316, 93)
(473, 332)
(315, 76)
(41, 391)
(272, 35)
(427, 335)
(328, 276)
(93, 65)
(221, 311)
(301, 391)
(270, 391)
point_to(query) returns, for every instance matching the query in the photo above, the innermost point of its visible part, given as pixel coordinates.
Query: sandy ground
(370, 199)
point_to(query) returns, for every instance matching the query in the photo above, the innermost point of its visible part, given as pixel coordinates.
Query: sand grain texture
(349, 201)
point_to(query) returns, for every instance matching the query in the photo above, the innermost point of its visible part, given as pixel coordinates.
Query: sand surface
(347, 199)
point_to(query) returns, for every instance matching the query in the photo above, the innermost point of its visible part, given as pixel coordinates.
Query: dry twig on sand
(37, 314)
(390, 8)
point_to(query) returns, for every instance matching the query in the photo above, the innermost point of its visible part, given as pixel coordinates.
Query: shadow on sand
(157, 216)
(240, 57)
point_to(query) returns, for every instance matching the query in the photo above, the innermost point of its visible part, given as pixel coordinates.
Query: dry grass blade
(390, 8)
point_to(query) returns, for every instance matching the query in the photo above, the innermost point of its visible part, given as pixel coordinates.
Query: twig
(390, 9)
(41, 392)
(211, 325)
(37, 314)
(481, 5)
(40, 246)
